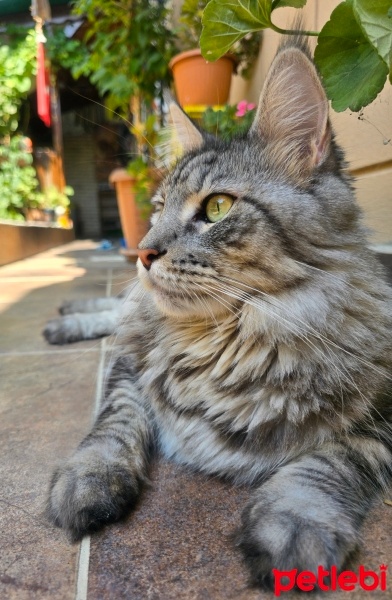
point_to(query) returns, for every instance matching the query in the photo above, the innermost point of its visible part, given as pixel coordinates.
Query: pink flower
(243, 107)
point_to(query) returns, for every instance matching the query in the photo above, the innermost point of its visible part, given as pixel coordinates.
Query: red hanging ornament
(43, 87)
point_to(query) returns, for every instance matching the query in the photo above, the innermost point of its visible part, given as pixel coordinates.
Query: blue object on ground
(105, 245)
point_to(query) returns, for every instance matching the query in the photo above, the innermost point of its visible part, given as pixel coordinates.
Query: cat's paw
(63, 330)
(274, 536)
(68, 307)
(86, 493)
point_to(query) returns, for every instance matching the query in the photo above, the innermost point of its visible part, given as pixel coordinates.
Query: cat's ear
(187, 134)
(292, 116)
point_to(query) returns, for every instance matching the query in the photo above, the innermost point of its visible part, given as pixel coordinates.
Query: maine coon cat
(257, 346)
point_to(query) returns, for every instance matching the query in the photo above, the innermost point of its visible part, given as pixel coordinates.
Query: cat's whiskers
(327, 354)
(247, 298)
(114, 112)
(253, 302)
(327, 274)
(250, 301)
(207, 309)
(129, 284)
(141, 293)
(311, 345)
(206, 289)
(273, 300)
(344, 374)
(135, 294)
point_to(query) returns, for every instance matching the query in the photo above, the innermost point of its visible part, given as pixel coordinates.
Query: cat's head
(246, 216)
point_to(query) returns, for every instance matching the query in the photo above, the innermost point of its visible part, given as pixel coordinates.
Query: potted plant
(135, 184)
(133, 226)
(55, 204)
(198, 82)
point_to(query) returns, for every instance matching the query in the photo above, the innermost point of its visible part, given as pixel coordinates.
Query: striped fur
(260, 348)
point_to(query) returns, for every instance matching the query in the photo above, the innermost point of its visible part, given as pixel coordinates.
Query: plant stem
(293, 31)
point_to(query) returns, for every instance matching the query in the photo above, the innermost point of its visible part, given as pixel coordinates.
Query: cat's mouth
(172, 300)
(164, 290)
(167, 291)
(179, 297)
(160, 285)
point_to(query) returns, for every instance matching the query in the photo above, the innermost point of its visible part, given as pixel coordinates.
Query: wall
(79, 168)
(364, 140)
(19, 241)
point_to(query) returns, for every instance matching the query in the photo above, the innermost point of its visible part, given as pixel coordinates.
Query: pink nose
(147, 256)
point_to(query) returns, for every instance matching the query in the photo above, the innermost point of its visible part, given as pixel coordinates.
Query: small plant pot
(198, 82)
(134, 227)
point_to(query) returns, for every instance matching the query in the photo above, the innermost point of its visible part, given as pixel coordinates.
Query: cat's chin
(183, 307)
(174, 309)
(180, 305)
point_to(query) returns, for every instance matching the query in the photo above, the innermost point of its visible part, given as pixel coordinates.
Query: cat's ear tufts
(187, 134)
(292, 116)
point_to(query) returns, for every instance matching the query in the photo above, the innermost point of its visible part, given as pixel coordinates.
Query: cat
(260, 350)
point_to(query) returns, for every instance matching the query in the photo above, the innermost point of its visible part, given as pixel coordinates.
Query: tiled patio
(177, 544)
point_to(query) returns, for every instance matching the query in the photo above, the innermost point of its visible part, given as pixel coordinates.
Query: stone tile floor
(177, 544)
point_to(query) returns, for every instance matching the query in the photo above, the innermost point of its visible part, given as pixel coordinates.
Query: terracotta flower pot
(198, 82)
(134, 227)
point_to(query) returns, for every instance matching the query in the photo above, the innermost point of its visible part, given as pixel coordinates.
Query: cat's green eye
(218, 206)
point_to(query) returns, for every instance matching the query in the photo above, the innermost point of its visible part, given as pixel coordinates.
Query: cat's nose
(147, 255)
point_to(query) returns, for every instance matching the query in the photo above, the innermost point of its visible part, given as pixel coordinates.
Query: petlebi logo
(330, 580)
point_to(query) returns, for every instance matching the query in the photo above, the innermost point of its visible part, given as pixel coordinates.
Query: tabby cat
(260, 349)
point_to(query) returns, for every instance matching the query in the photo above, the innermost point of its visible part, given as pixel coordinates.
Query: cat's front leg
(308, 514)
(80, 326)
(101, 481)
(92, 305)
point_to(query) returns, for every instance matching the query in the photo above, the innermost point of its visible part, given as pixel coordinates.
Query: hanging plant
(129, 45)
(353, 53)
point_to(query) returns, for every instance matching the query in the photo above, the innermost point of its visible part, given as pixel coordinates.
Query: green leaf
(352, 71)
(292, 3)
(373, 17)
(227, 21)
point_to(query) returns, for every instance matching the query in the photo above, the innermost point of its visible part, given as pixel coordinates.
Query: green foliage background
(129, 48)
(353, 53)
(18, 181)
(17, 67)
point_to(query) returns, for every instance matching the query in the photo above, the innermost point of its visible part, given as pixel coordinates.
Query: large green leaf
(352, 71)
(373, 17)
(227, 21)
(292, 3)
